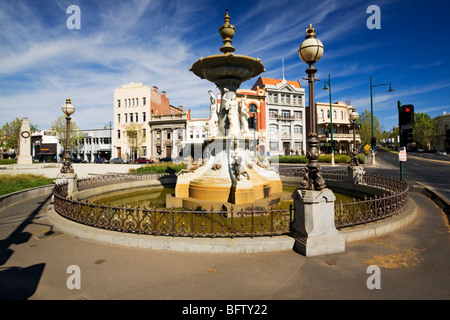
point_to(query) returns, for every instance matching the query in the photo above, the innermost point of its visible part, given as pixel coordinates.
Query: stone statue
(213, 118)
(243, 110)
(229, 114)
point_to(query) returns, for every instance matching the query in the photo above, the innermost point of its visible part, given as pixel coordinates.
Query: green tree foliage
(366, 128)
(425, 130)
(10, 132)
(59, 126)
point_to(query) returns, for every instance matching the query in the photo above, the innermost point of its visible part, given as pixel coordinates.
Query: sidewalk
(34, 259)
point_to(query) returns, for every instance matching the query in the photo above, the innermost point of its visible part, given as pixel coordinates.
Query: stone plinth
(71, 178)
(314, 229)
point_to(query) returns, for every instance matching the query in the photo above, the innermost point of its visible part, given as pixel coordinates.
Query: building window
(272, 114)
(286, 130)
(334, 114)
(285, 114)
(118, 118)
(168, 135)
(328, 114)
(273, 145)
(144, 116)
(143, 101)
(136, 114)
(118, 103)
(273, 130)
(137, 101)
(144, 133)
(144, 151)
(298, 115)
(342, 115)
(131, 117)
(321, 113)
(275, 98)
(297, 129)
(118, 134)
(126, 117)
(252, 108)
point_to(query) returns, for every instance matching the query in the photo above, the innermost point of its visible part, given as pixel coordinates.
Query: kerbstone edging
(21, 195)
(221, 245)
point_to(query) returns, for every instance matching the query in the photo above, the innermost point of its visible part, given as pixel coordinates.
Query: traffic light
(406, 115)
(406, 136)
(373, 142)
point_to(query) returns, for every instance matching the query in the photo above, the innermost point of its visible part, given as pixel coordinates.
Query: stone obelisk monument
(25, 143)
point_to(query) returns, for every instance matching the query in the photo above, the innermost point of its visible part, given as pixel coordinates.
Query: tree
(425, 130)
(365, 121)
(10, 133)
(135, 137)
(60, 125)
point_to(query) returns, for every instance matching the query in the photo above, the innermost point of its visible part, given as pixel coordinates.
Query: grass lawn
(11, 183)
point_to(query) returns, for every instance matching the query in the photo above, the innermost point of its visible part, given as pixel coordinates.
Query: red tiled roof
(270, 81)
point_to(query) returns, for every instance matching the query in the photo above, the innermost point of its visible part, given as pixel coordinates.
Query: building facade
(95, 143)
(142, 126)
(282, 115)
(339, 116)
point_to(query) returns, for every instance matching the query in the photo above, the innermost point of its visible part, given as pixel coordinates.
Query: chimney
(155, 88)
(189, 114)
(181, 108)
(163, 93)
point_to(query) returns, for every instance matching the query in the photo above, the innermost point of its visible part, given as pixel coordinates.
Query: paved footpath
(34, 258)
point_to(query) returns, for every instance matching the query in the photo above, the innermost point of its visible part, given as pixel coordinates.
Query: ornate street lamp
(331, 116)
(310, 51)
(68, 109)
(372, 142)
(354, 116)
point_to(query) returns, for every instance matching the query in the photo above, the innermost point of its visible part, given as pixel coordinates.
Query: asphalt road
(430, 170)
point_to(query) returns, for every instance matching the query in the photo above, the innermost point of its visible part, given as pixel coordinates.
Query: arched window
(252, 108)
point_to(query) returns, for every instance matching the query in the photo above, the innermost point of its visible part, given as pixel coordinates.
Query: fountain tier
(228, 175)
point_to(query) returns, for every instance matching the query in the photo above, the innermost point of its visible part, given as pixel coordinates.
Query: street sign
(402, 155)
(367, 147)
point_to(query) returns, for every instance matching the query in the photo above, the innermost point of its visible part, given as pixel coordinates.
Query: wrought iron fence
(103, 180)
(174, 222)
(393, 201)
(231, 223)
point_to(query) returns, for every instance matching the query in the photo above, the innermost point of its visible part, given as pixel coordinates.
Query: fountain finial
(227, 32)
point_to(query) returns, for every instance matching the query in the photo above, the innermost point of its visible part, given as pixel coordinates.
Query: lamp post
(353, 117)
(255, 127)
(68, 109)
(372, 142)
(310, 51)
(331, 116)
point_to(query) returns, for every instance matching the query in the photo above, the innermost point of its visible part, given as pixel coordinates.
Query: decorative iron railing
(174, 222)
(393, 201)
(103, 180)
(231, 223)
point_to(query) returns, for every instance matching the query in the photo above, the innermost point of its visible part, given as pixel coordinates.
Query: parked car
(143, 160)
(100, 160)
(441, 153)
(420, 150)
(116, 160)
(165, 159)
(76, 160)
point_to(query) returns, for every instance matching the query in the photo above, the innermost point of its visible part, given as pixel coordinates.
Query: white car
(441, 153)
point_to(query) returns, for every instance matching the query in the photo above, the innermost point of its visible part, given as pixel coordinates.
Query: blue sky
(155, 42)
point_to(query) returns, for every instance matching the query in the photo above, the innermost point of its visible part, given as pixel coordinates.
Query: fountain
(227, 176)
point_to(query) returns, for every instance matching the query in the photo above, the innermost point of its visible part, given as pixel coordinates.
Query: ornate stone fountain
(227, 175)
